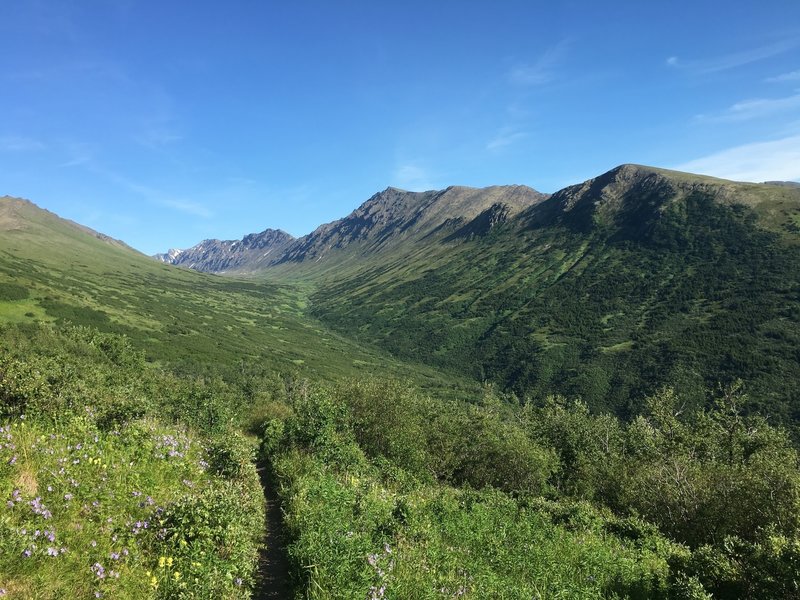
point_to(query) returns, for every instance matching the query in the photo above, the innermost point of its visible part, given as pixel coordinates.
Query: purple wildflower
(98, 570)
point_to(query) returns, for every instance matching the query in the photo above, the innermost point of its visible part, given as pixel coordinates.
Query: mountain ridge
(629, 191)
(386, 218)
(17, 214)
(221, 256)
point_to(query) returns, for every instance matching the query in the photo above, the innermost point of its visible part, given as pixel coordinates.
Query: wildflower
(176, 575)
(39, 509)
(52, 551)
(162, 561)
(98, 570)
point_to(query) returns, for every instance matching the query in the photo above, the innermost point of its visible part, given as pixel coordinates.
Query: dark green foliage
(701, 478)
(707, 500)
(10, 292)
(690, 293)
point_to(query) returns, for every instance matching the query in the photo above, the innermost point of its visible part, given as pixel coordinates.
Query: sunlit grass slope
(55, 270)
(119, 479)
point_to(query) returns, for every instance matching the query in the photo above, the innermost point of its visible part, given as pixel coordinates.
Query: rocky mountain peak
(394, 215)
(219, 256)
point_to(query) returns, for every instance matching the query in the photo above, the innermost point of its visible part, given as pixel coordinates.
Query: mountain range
(394, 216)
(379, 224)
(606, 290)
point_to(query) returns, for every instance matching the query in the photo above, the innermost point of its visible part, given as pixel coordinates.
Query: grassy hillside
(54, 270)
(119, 479)
(607, 291)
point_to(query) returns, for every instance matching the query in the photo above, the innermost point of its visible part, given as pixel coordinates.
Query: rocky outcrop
(221, 256)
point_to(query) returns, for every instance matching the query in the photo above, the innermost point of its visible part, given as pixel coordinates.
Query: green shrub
(11, 292)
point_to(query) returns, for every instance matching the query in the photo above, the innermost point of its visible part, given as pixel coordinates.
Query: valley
(473, 392)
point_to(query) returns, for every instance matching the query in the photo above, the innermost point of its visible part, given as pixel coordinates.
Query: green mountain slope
(55, 270)
(606, 290)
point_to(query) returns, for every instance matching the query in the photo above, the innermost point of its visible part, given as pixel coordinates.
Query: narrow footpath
(273, 569)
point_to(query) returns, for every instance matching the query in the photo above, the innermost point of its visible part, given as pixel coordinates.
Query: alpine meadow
(489, 393)
(349, 301)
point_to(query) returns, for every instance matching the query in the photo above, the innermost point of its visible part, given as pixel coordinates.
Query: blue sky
(163, 123)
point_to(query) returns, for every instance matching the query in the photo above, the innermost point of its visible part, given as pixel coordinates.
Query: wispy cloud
(504, 138)
(542, 70)
(733, 59)
(776, 160)
(152, 195)
(754, 109)
(157, 127)
(156, 137)
(190, 208)
(160, 197)
(412, 176)
(96, 71)
(80, 154)
(15, 143)
(784, 77)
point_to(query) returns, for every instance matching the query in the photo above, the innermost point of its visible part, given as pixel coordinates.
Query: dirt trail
(273, 569)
